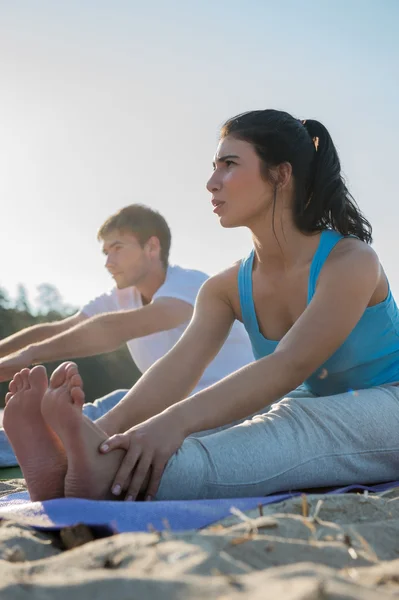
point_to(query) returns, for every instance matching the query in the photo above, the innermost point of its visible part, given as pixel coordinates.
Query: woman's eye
(228, 163)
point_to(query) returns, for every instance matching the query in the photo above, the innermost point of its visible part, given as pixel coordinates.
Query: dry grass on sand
(315, 547)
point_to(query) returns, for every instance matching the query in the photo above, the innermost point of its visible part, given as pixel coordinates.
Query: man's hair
(144, 223)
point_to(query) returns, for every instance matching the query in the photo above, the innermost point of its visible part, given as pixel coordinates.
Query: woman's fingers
(146, 456)
(139, 476)
(155, 479)
(119, 441)
(125, 470)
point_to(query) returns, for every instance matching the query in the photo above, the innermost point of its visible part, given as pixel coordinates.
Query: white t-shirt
(182, 284)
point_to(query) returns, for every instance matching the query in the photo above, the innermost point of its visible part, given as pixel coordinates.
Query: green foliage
(101, 374)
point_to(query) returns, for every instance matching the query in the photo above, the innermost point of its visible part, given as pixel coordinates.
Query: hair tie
(315, 140)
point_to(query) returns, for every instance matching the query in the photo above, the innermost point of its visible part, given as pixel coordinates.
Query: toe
(12, 386)
(25, 378)
(38, 378)
(71, 370)
(18, 382)
(75, 385)
(72, 376)
(8, 396)
(75, 380)
(77, 395)
(59, 375)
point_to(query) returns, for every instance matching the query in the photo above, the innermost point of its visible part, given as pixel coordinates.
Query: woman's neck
(283, 246)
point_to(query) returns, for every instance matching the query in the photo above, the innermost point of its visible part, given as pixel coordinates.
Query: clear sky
(105, 103)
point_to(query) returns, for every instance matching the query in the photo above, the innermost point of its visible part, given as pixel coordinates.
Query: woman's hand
(148, 446)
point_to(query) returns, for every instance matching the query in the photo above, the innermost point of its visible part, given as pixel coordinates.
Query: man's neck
(151, 284)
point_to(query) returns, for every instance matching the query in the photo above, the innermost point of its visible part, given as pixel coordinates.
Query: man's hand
(15, 362)
(148, 447)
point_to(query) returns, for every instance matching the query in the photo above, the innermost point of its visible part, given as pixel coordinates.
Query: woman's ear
(284, 174)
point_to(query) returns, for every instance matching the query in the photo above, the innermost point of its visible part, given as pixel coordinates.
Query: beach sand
(347, 547)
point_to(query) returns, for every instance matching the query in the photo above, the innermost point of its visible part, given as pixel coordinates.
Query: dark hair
(322, 199)
(144, 223)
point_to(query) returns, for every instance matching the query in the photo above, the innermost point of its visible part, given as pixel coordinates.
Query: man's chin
(120, 283)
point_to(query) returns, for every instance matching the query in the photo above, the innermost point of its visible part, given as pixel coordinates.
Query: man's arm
(176, 374)
(102, 333)
(37, 333)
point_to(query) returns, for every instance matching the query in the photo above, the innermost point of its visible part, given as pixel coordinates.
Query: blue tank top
(368, 357)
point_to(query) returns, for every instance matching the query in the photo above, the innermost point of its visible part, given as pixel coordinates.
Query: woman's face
(240, 194)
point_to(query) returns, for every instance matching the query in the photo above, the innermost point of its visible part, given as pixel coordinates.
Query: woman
(318, 309)
(322, 321)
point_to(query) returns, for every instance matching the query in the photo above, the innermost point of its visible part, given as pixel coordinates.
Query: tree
(101, 374)
(4, 299)
(49, 301)
(22, 302)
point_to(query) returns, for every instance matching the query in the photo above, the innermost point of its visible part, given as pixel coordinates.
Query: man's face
(127, 261)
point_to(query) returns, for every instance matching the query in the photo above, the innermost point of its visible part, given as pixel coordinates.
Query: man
(149, 309)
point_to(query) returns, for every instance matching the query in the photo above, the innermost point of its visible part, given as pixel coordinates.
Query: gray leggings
(302, 441)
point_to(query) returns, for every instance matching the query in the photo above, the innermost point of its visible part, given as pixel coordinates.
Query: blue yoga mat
(119, 517)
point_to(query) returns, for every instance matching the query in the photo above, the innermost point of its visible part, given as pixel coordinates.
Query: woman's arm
(176, 374)
(344, 290)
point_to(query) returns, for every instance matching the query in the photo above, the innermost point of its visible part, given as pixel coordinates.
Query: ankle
(109, 424)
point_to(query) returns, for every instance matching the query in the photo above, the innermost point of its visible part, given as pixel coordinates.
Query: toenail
(105, 447)
(129, 498)
(116, 490)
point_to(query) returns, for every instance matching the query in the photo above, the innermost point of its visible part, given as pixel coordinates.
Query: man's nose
(109, 262)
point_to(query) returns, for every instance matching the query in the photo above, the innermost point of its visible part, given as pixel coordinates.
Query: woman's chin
(228, 223)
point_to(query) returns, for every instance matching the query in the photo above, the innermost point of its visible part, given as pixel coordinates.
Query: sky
(106, 103)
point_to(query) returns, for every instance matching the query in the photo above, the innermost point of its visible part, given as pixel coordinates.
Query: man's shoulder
(183, 284)
(178, 273)
(101, 303)
(111, 300)
(112, 296)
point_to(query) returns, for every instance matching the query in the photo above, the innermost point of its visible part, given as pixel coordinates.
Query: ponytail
(328, 201)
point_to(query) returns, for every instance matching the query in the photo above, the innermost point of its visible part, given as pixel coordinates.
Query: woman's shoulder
(353, 250)
(353, 260)
(224, 285)
(228, 275)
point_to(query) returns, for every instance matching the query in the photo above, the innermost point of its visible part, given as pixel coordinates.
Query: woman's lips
(218, 205)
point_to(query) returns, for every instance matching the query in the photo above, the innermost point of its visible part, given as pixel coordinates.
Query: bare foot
(90, 474)
(38, 450)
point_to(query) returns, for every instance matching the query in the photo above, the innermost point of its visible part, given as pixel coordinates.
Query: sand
(347, 547)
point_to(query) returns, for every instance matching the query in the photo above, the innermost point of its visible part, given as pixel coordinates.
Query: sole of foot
(38, 449)
(89, 474)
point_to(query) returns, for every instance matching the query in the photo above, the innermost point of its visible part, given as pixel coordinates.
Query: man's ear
(153, 246)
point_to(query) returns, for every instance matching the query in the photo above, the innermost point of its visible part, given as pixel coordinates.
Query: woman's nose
(213, 184)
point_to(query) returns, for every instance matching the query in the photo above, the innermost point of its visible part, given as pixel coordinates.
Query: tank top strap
(245, 292)
(328, 240)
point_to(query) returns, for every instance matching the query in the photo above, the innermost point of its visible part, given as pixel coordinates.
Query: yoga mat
(119, 517)
(10, 473)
